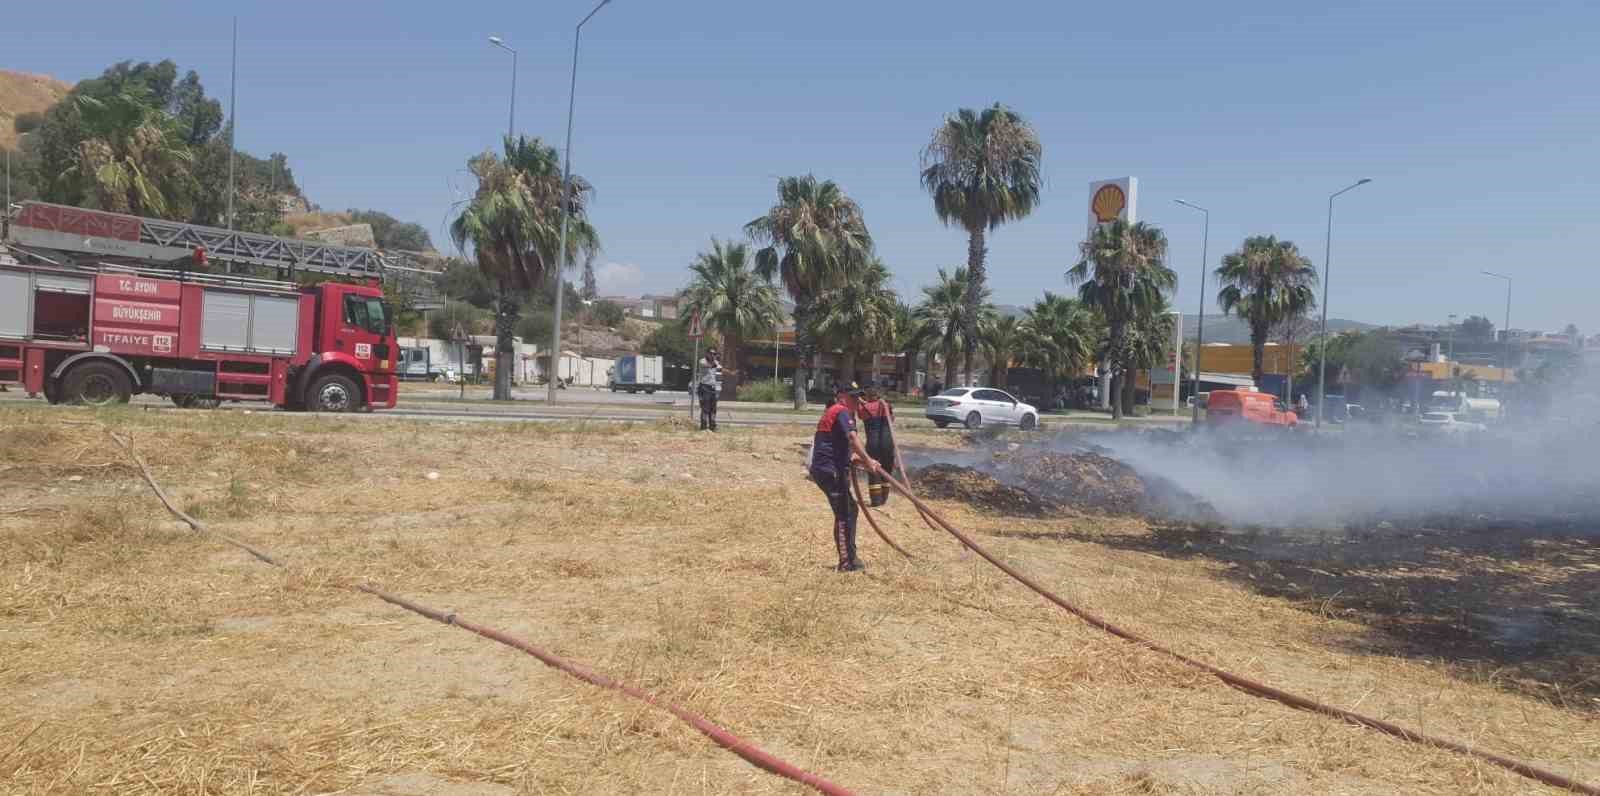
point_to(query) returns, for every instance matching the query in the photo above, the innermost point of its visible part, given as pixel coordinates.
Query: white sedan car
(1446, 423)
(975, 407)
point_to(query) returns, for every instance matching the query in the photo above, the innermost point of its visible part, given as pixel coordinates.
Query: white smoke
(1367, 473)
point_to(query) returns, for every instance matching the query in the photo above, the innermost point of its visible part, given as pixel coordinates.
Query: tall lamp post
(581, 357)
(566, 191)
(511, 126)
(1327, 269)
(233, 119)
(1450, 360)
(5, 216)
(1505, 346)
(1200, 321)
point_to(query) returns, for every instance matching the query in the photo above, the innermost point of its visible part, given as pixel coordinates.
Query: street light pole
(1450, 359)
(566, 191)
(1327, 269)
(1200, 321)
(1505, 346)
(233, 119)
(511, 126)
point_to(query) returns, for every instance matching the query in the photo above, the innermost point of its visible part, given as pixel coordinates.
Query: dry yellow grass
(139, 657)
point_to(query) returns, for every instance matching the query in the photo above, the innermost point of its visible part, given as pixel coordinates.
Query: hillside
(1230, 329)
(1223, 328)
(22, 92)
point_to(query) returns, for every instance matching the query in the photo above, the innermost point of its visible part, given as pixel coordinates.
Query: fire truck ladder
(73, 235)
(93, 234)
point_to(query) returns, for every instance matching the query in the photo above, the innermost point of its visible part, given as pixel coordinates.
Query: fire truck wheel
(98, 384)
(333, 393)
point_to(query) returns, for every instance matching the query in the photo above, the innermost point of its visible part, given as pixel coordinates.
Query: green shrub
(764, 391)
(606, 313)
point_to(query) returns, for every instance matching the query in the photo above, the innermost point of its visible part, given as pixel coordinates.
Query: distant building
(663, 307)
(630, 306)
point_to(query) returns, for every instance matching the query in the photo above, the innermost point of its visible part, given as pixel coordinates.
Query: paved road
(580, 404)
(634, 411)
(410, 391)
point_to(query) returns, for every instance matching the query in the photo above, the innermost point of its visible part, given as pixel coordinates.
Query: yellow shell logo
(1108, 203)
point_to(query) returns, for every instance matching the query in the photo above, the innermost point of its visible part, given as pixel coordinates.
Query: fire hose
(1247, 685)
(855, 482)
(751, 753)
(900, 464)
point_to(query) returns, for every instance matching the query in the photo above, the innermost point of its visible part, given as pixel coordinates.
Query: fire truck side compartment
(15, 305)
(183, 382)
(61, 307)
(249, 322)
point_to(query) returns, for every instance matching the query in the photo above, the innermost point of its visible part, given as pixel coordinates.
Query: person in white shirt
(710, 388)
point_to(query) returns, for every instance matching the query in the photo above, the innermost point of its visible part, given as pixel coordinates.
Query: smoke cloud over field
(1362, 475)
(1368, 474)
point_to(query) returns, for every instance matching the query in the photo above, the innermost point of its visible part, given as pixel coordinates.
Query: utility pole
(233, 118)
(1450, 359)
(566, 194)
(1505, 345)
(1200, 320)
(511, 125)
(1327, 275)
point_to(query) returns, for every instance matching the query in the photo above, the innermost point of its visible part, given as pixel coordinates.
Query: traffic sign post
(695, 333)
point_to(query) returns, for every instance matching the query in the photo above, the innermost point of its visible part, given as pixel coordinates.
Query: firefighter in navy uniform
(833, 449)
(877, 420)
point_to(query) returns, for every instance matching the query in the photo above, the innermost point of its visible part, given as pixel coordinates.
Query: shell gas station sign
(1113, 199)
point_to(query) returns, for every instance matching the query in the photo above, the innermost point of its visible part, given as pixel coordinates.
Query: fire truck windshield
(367, 313)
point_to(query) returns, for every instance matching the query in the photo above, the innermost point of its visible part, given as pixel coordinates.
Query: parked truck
(425, 359)
(637, 373)
(80, 324)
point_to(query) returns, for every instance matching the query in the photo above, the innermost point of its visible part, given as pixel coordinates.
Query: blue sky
(1475, 121)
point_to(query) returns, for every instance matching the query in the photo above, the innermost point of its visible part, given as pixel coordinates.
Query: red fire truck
(96, 307)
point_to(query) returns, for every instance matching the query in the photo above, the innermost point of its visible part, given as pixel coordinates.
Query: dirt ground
(139, 657)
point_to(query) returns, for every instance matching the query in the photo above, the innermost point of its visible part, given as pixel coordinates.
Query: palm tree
(943, 313)
(1123, 274)
(906, 339)
(811, 239)
(1149, 341)
(731, 300)
(1265, 282)
(133, 159)
(856, 317)
(1058, 338)
(1001, 339)
(982, 169)
(514, 226)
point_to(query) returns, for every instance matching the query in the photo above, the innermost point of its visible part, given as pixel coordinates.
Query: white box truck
(637, 373)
